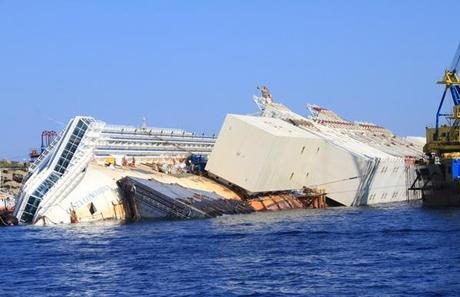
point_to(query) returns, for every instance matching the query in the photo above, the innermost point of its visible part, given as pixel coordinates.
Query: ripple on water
(394, 250)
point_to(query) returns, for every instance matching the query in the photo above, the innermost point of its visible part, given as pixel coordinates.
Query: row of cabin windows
(385, 169)
(64, 160)
(383, 196)
(303, 150)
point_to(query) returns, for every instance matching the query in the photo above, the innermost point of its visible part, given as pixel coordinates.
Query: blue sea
(392, 250)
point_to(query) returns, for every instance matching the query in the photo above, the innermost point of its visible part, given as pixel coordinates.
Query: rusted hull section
(278, 202)
(150, 199)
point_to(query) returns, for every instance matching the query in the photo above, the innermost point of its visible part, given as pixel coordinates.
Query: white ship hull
(95, 197)
(354, 163)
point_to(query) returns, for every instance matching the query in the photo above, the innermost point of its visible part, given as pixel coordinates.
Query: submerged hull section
(150, 199)
(94, 197)
(97, 196)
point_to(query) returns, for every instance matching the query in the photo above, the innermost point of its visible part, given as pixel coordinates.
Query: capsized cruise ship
(355, 163)
(76, 170)
(275, 160)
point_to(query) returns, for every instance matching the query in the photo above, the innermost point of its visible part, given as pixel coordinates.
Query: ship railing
(153, 147)
(121, 129)
(40, 159)
(44, 154)
(152, 143)
(159, 136)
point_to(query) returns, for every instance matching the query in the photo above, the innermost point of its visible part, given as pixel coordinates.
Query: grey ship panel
(176, 191)
(150, 199)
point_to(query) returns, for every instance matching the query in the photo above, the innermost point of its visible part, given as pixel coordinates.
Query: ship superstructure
(355, 163)
(145, 144)
(62, 175)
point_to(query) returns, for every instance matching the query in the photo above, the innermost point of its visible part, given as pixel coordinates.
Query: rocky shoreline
(11, 175)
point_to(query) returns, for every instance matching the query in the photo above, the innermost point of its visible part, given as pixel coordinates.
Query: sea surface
(392, 250)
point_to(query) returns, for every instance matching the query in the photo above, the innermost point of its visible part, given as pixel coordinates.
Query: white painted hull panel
(267, 154)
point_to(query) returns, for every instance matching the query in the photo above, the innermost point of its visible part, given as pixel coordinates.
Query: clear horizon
(184, 64)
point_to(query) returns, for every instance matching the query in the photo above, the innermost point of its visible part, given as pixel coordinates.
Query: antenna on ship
(264, 99)
(265, 92)
(144, 123)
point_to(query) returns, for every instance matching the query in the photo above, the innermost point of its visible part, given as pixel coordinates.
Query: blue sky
(186, 64)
